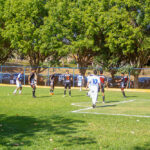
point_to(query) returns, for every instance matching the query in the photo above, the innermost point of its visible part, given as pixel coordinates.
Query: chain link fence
(8, 75)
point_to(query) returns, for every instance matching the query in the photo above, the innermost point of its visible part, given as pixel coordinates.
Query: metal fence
(8, 75)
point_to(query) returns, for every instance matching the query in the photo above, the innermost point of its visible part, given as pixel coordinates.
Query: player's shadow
(21, 130)
(44, 96)
(112, 101)
(130, 96)
(107, 106)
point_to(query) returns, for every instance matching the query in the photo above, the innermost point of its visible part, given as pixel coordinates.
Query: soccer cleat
(64, 95)
(103, 102)
(94, 106)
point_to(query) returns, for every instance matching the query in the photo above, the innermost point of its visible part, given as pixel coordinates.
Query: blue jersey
(20, 77)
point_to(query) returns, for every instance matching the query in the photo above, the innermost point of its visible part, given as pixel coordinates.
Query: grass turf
(47, 123)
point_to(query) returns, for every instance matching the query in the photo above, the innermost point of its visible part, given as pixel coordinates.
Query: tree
(127, 32)
(77, 25)
(5, 49)
(25, 28)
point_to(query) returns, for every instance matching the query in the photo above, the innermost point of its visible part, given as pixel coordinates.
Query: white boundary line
(142, 116)
(88, 108)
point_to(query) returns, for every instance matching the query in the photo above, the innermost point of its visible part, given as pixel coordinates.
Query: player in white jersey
(94, 82)
(88, 78)
(88, 85)
(80, 81)
(18, 83)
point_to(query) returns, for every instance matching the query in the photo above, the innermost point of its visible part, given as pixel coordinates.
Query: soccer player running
(67, 83)
(18, 83)
(123, 83)
(32, 82)
(80, 81)
(52, 79)
(94, 82)
(102, 84)
(88, 78)
(88, 85)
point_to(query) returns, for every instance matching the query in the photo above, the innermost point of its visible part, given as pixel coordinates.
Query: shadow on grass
(143, 147)
(131, 96)
(112, 101)
(78, 141)
(107, 105)
(15, 130)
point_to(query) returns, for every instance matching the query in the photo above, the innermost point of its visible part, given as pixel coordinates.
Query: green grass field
(48, 123)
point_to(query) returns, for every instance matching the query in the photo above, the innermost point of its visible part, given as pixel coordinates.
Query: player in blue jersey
(18, 83)
(80, 81)
(94, 82)
(67, 83)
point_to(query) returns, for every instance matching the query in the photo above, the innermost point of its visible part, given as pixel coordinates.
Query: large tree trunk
(136, 81)
(113, 72)
(136, 76)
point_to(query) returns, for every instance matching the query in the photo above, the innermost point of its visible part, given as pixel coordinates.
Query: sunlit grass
(47, 123)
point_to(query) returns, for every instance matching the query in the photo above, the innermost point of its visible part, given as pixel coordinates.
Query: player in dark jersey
(52, 79)
(123, 83)
(32, 82)
(67, 83)
(102, 84)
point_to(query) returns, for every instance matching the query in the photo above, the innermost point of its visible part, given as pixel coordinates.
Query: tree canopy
(112, 32)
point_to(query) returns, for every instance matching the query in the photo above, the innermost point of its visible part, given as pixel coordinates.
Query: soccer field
(69, 123)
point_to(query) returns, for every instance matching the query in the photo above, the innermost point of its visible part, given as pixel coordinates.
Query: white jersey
(80, 78)
(88, 78)
(94, 82)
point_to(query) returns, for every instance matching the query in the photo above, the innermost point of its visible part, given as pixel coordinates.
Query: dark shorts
(123, 85)
(102, 88)
(67, 85)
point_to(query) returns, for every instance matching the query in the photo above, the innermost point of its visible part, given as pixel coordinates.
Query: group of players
(95, 84)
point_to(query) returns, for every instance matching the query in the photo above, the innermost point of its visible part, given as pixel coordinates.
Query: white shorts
(33, 82)
(18, 83)
(94, 95)
(79, 84)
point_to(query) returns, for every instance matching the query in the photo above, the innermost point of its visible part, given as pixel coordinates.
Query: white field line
(142, 116)
(88, 108)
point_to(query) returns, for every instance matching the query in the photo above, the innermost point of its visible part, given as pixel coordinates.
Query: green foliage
(5, 50)
(115, 32)
(28, 31)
